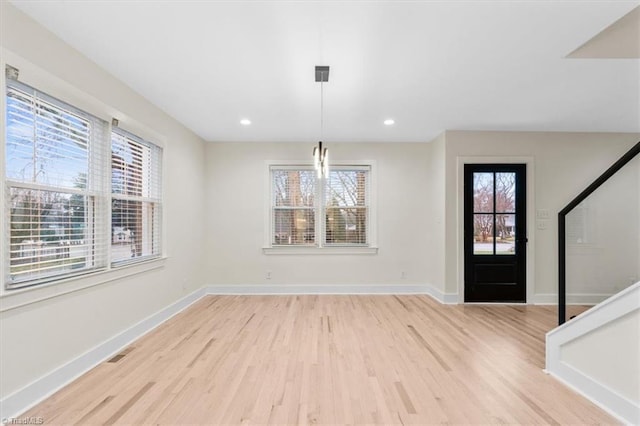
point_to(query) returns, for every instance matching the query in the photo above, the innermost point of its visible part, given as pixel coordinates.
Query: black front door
(495, 233)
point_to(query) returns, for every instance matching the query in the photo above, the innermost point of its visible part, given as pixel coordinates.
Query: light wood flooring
(329, 360)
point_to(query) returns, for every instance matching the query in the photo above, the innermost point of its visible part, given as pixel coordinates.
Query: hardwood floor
(329, 360)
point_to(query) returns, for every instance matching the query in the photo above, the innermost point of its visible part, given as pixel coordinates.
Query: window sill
(16, 298)
(320, 250)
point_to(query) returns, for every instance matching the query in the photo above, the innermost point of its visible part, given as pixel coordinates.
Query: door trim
(530, 211)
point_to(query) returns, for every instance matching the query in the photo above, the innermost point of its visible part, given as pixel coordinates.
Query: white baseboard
(18, 402)
(444, 298)
(275, 289)
(572, 299)
(614, 404)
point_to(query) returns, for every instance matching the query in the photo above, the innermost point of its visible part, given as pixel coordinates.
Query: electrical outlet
(542, 214)
(268, 275)
(403, 275)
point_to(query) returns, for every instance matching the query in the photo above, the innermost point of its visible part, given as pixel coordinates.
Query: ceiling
(431, 65)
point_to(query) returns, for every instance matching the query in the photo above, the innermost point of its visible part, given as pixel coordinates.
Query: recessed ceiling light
(389, 122)
(245, 121)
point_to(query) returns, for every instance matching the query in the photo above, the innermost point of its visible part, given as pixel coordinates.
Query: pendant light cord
(322, 106)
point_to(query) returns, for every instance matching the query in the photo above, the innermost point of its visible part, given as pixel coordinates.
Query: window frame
(320, 246)
(93, 192)
(30, 291)
(326, 208)
(154, 199)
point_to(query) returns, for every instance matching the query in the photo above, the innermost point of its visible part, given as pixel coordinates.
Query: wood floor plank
(330, 360)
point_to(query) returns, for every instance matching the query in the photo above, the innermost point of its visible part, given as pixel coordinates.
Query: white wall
(601, 353)
(564, 164)
(435, 227)
(597, 354)
(605, 259)
(418, 193)
(237, 179)
(41, 329)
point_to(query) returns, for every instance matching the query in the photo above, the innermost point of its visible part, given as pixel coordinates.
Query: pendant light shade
(321, 160)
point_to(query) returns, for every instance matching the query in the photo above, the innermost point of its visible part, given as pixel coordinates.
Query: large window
(332, 211)
(53, 182)
(136, 194)
(294, 206)
(57, 193)
(346, 206)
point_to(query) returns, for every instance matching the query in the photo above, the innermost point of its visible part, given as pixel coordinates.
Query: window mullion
(44, 187)
(135, 198)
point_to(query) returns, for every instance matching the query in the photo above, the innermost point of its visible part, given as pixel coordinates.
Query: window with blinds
(80, 196)
(294, 206)
(136, 198)
(54, 187)
(346, 202)
(307, 211)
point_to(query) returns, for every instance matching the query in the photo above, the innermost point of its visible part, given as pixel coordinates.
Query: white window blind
(294, 206)
(54, 183)
(332, 211)
(346, 200)
(136, 198)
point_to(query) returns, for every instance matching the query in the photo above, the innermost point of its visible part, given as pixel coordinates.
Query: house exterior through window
(333, 211)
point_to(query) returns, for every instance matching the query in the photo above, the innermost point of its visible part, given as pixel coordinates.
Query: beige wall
(435, 226)
(418, 207)
(563, 165)
(237, 193)
(40, 336)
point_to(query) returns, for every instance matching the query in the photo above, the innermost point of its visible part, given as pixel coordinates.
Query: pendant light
(320, 154)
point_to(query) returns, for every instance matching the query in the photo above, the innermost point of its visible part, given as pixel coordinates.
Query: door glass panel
(482, 234)
(506, 192)
(482, 192)
(506, 234)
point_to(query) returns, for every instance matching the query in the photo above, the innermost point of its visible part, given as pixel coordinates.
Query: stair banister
(562, 250)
